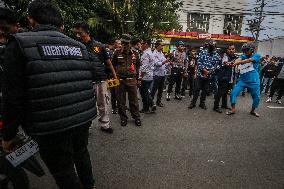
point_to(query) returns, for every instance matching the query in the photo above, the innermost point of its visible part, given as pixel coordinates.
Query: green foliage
(109, 18)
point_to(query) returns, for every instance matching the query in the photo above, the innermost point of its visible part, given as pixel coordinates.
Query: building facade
(272, 47)
(213, 16)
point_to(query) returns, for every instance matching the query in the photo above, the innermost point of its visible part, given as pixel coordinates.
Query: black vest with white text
(58, 83)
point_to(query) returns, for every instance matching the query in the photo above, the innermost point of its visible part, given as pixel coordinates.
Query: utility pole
(255, 24)
(260, 19)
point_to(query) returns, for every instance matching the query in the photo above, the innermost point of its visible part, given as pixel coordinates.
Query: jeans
(266, 83)
(61, 151)
(158, 85)
(145, 94)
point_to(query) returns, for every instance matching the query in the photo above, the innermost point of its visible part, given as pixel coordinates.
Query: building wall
(216, 23)
(273, 47)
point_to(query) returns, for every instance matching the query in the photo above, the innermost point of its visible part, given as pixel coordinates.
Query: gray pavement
(177, 148)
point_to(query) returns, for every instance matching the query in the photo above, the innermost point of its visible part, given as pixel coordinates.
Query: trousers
(200, 84)
(102, 103)
(61, 151)
(223, 89)
(278, 84)
(128, 86)
(254, 89)
(158, 85)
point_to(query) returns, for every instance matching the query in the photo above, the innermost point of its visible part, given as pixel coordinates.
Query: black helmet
(248, 46)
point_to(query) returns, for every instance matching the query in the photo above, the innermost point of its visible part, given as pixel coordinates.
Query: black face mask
(211, 48)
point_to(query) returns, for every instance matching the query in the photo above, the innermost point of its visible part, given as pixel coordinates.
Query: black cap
(126, 38)
(8, 15)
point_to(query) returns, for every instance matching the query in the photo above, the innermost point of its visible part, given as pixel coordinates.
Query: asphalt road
(177, 148)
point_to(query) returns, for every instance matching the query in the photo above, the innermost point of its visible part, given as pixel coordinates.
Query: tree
(108, 18)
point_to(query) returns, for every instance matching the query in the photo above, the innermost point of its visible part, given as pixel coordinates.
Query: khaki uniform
(124, 63)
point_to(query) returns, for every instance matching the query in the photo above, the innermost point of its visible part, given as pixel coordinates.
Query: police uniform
(124, 63)
(100, 84)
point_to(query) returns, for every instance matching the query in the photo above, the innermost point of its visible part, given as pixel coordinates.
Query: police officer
(47, 89)
(101, 58)
(179, 67)
(124, 62)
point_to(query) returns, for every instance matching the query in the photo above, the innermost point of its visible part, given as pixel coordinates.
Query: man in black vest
(47, 89)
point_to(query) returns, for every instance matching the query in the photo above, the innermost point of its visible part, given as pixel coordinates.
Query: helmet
(179, 43)
(248, 46)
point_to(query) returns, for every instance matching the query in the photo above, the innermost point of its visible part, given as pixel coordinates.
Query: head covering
(248, 46)
(179, 43)
(126, 38)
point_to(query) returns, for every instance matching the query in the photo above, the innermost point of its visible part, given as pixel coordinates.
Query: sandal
(254, 114)
(230, 113)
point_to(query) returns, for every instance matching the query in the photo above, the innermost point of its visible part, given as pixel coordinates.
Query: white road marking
(275, 107)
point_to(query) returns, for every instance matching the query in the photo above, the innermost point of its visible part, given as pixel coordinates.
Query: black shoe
(123, 123)
(243, 93)
(142, 111)
(138, 122)
(226, 107)
(191, 106)
(107, 130)
(202, 106)
(114, 111)
(148, 112)
(153, 108)
(160, 104)
(217, 110)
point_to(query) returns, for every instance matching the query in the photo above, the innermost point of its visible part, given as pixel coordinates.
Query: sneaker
(138, 122)
(269, 100)
(168, 97)
(123, 123)
(154, 108)
(107, 130)
(278, 102)
(182, 94)
(114, 111)
(178, 97)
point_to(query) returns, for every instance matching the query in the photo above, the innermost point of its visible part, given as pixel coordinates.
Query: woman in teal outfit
(249, 78)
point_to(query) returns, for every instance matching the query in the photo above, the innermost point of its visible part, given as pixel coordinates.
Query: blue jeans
(266, 83)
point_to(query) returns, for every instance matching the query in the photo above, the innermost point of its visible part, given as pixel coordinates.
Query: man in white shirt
(146, 76)
(160, 62)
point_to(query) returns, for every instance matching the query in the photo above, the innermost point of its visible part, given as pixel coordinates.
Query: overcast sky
(273, 25)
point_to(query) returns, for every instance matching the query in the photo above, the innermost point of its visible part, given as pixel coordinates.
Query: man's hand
(7, 145)
(205, 72)
(138, 83)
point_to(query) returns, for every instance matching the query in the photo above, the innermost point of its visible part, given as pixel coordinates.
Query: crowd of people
(53, 85)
